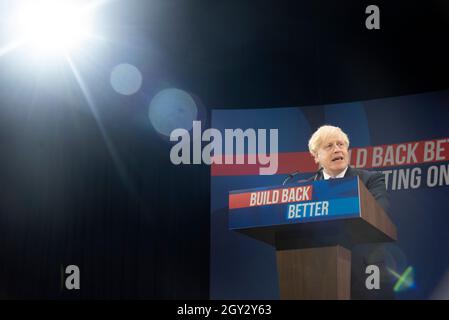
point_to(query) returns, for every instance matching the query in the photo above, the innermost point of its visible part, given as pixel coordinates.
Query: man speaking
(329, 147)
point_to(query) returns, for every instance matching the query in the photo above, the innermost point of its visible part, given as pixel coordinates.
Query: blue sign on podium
(309, 214)
(304, 202)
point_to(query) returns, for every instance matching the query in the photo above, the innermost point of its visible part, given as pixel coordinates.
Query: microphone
(290, 176)
(317, 173)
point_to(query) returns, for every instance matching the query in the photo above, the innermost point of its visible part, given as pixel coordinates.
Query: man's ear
(316, 157)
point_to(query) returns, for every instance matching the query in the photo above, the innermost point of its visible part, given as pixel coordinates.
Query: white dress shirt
(340, 175)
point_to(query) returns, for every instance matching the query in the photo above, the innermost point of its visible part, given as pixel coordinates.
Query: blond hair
(322, 134)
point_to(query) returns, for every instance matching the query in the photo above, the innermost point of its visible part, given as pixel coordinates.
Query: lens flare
(404, 281)
(51, 26)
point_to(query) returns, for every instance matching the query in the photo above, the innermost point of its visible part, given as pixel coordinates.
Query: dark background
(135, 224)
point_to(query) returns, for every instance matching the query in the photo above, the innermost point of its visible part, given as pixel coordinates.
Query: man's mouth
(337, 158)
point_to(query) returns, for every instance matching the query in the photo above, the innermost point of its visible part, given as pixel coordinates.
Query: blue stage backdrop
(405, 137)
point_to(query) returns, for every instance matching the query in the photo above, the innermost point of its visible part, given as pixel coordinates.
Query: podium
(313, 226)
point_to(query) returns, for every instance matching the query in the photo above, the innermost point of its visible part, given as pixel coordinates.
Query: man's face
(333, 155)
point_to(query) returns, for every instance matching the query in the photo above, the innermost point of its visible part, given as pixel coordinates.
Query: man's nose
(337, 148)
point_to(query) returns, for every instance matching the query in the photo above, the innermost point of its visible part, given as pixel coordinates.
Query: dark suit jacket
(374, 182)
(362, 254)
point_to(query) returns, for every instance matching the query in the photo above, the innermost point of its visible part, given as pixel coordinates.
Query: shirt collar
(340, 175)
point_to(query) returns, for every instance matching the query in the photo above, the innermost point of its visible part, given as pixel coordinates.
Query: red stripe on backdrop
(288, 162)
(401, 154)
(408, 153)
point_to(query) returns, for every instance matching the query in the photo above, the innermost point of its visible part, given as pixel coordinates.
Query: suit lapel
(350, 172)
